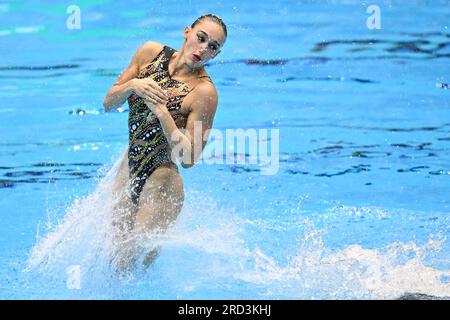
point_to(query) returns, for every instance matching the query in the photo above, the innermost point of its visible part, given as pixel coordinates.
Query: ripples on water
(228, 258)
(275, 248)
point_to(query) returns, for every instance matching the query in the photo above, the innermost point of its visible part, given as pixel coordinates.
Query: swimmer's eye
(201, 38)
(213, 47)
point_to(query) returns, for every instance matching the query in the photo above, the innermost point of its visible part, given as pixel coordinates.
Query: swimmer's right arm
(128, 83)
(121, 90)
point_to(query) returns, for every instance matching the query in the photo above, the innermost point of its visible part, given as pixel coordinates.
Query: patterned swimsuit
(148, 147)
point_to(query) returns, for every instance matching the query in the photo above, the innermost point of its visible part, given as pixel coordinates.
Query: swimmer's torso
(148, 146)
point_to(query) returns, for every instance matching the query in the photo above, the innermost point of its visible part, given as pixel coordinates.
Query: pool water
(359, 208)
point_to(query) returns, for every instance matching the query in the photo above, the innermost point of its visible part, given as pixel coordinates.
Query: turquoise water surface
(360, 205)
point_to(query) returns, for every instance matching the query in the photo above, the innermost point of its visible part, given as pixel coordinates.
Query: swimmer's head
(204, 39)
(213, 18)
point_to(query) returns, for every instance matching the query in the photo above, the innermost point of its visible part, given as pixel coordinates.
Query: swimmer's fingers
(144, 86)
(159, 92)
(154, 96)
(153, 101)
(141, 92)
(152, 85)
(150, 91)
(148, 94)
(150, 102)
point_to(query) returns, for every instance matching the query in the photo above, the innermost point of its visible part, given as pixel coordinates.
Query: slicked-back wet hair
(211, 17)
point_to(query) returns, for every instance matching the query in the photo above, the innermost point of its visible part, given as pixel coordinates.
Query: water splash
(82, 238)
(210, 253)
(316, 272)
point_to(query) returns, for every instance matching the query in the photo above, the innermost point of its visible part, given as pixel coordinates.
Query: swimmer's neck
(180, 68)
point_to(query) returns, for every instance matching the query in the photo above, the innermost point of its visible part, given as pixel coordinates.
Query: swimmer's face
(203, 42)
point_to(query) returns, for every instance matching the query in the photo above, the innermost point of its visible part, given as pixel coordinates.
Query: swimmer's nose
(203, 50)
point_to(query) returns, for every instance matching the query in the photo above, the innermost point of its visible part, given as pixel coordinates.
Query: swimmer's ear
(186, 32)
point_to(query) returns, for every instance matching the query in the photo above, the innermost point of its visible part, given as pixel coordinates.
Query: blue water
(358, 209)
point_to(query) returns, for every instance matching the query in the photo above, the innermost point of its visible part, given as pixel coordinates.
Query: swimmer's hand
(149, 90)
(156, 108)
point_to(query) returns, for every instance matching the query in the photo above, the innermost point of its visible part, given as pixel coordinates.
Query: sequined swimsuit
(148, 146)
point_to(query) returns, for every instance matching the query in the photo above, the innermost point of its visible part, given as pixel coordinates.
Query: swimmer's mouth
(196, 57)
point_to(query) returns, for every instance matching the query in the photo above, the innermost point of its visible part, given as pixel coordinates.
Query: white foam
(81, 238)
(209, 246)
(353, 273)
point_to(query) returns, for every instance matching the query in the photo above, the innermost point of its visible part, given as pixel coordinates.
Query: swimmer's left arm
(198, 125)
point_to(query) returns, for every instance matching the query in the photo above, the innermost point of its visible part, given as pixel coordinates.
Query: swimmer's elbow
(189, 159)
(108, 105)
(111, 102)
(187, 165)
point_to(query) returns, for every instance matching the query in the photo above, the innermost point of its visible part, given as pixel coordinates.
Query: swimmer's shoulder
(148, 52)
(203, 95)
(206, 87)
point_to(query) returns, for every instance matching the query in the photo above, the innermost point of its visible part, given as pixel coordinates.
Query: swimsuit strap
(204, 77)
(168, 53)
